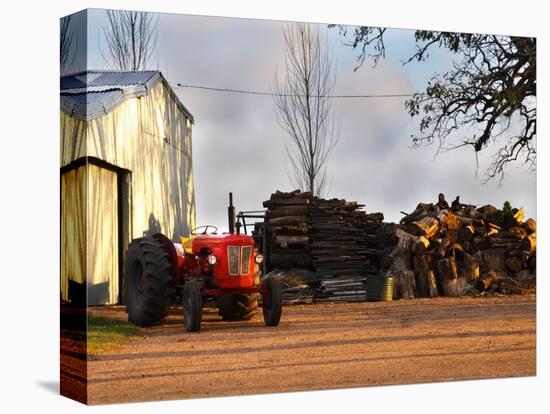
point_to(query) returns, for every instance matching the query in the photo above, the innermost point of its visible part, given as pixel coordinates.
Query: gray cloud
(238, 145)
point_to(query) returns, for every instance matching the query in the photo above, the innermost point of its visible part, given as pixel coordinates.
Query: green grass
(105, 334)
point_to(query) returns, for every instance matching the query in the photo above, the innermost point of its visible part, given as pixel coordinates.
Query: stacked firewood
(451, 250)
(288, 233)
(321, 249)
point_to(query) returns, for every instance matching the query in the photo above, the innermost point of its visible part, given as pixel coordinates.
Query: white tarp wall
(151, 138)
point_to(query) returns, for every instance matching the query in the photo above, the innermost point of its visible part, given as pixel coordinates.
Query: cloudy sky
(238, 145)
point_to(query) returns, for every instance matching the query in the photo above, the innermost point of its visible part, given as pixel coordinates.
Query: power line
(249, 92)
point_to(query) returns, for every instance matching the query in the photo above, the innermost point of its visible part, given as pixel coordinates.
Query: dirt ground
(320, 347)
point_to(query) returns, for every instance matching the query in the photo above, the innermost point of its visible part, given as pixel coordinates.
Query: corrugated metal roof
(91, 94)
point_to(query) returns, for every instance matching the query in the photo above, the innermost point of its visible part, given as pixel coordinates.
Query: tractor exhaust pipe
(231, 214)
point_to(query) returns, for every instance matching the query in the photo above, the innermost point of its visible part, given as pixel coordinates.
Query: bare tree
(66, 50)
(304, 107)
(131, 39)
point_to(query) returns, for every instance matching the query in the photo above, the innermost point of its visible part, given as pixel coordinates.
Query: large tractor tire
(192, 306)
(272, 300)
(238, 307)
(147, 281)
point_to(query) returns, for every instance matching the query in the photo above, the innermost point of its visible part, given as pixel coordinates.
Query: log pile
(322, 249)
(451, 250)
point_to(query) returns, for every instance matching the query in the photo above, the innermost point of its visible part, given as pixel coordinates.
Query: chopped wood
(529, 243)
(514, 264)
(530, 225)
(468, 268)
(486, 280)
(424, 273)
(465, 233)
(421, 245)
(436, 249)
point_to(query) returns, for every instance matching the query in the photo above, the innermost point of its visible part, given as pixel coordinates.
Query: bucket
(379, 289)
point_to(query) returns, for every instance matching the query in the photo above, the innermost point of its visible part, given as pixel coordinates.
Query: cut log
(288, 211)
(451, 235)
(441, 249)
(480, 243)
(529, 243)
(286, 202)
(291, 194)
(530, 225)
(466, 221)
(451, 283)
(425, 226)
(420, 245)
(294, 229)
(422, 267)
(486, 280)
(520, 215)
(404, 286)
(432, 284)
(494, 259)
(450, 221)
(457, 250)
(520, 231)
(465, 233)
(515, 264)
(285, 241)
(288, 220)
(446, 268)
(468, 268)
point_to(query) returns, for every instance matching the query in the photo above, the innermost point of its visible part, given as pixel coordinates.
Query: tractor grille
(239, 259)
(245, 259)
(233, 253)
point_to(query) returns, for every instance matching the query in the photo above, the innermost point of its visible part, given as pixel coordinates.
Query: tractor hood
(221, 240)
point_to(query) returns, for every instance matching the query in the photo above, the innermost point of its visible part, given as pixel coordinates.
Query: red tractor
(217, 268)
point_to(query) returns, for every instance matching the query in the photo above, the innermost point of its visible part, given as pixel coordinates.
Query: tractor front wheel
(238, 307)
(272, 301)
(192, 306)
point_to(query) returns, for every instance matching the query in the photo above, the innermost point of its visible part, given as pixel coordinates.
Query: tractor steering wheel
(208, 226)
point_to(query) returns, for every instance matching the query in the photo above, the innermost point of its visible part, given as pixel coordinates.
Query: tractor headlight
(259, 258)
(212, 260)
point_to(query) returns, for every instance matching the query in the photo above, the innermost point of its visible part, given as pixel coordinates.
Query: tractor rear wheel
(147, 281)
(192, 306)
(238, 307)
(272, 300)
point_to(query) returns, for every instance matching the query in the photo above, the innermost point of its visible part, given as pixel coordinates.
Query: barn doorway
(95, 231)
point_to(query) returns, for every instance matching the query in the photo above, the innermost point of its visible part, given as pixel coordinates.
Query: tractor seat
(187, 243)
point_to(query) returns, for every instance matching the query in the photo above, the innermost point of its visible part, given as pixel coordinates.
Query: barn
(126, 172)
